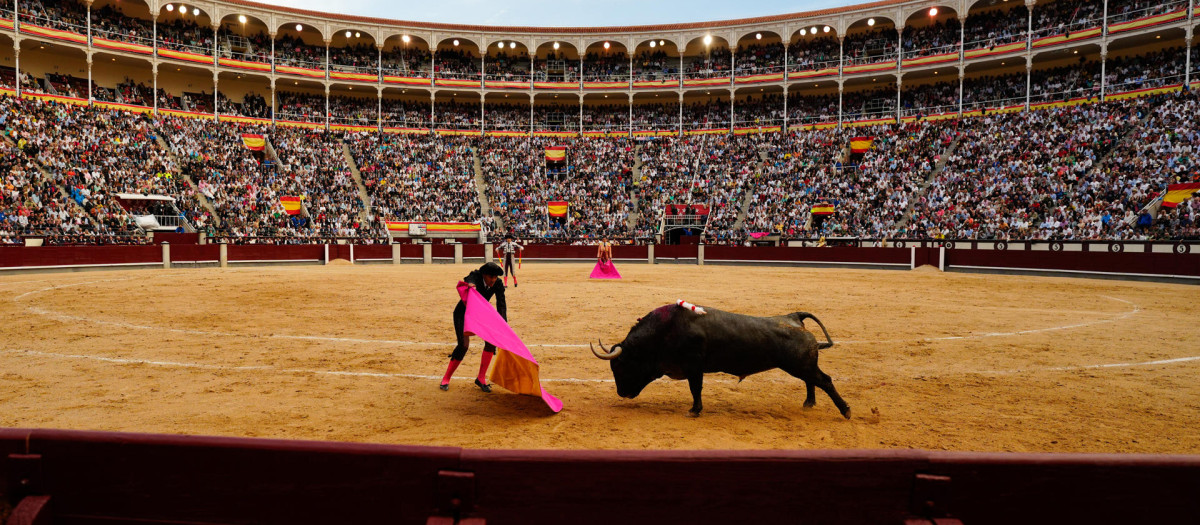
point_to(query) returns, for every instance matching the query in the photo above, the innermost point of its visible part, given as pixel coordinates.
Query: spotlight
(455, 42)
(707, 39)
(758, 36)
(933, 11)
(405, 39)
(803, 32)
(870, 21)
(813, 30)
(652, 44)
(607, 45)
(826, 29)
(357, 34)
(242, 18)
(556, 45)
(662, 42)
(196, 11)
(299, 27)
(170, 7)
(348, 34)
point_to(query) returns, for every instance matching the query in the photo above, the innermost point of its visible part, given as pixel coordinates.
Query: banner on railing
(1144, 92)
(556, 154)
(254, 142)
(436, 227)
(557, 208)
(57, 34)
(44, 97)
(996, 50)
(829, 71)
(933, 59)
(408, 81)
(300, 71)
(117, 106)
(360, 77)
(1067, 37)
(187, 57)
(122, 46)
(754, 79)
(861, 144)
(244, 64)
(605, 85)
(1147, 21)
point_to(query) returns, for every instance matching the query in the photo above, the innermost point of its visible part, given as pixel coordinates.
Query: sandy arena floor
(926, 360)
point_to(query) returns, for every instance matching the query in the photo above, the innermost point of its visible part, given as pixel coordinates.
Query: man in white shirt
(506, 250)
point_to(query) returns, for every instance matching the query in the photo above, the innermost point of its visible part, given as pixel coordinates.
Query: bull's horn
(608, 354)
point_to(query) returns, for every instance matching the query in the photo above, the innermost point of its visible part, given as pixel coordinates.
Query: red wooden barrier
(94, 477)
(559, 251)
(195, 253)
(176, 238)
(686, 251)
(628, 252)
(372, 251)
(475, 251)
(1164, 264)
(79, 255)
(271, 252)
(411, 251)
(443, 251)
(900, 256)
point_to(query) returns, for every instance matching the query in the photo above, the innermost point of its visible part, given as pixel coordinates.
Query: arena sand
(225, 352)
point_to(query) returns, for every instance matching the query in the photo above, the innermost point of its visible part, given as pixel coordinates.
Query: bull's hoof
(693, 413)
(846, 413)
(810, 404)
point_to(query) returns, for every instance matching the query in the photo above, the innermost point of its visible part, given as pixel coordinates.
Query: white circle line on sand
(346, 373)
(49, 313)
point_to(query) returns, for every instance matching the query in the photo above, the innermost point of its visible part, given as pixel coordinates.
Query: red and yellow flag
(292, 205)
(556, 154)
(557, 208)
(861, 144)
(254, 141)
(1177, 193)
(823, 208)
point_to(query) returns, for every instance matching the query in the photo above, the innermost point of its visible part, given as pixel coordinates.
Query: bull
(682, 343)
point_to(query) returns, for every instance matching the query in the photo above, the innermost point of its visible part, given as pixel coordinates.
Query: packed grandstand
(1067, 119)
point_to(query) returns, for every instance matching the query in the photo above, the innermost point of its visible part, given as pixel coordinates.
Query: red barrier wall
(477, 251)
(667, 251)
(271, 252)
(443, 250)
(559, 251)
(176, 238)
(825, 255)
(1103, 262)
(628, 252)
(79, 255)
(195, 252)
(411, 251)
(96, 477)
(373, 251)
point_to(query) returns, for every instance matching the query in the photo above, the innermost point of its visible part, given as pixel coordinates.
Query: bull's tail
(801, 316)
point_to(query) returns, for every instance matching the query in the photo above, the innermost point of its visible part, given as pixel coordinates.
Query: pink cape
(605, 270)
(515, 368)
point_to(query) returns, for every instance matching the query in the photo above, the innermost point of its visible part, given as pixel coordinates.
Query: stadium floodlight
(348, 34)
(455, 42)
(170, 7)
(357, 34)
(607, 45)
(662, 42)
(803, 32)
(556, 45)
(242, 18)
(870, 21)
(813, 30)
(707, 39)
(652, 44)
(933, 11)
(196, 11)
(758, 36)
(406, 39)
(299, 27)
(826, 29)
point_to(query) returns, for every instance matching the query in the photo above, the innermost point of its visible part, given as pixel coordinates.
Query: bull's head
(632, 369)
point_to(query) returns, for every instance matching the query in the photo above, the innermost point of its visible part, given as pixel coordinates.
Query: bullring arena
(929, 360)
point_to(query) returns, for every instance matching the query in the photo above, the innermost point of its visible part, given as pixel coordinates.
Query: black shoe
(444, 387)
(482, 386)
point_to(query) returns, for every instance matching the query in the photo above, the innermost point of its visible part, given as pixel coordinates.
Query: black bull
(682, 344)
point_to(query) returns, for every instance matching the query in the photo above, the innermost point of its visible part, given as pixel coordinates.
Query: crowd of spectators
(508, 66)
(293, 51)
(939, 37)
(1149, 70)
(927, 99)
(357, 111)
(1065, 16)
(358, 58)
(456, 63)
(815, 52)
(1124, 10)
(300, 106)
(403, 113)
(110, 23)
(996, 27)
(994, 91)
(871, 46)
(811, 109)
(759, 58)
(186, 36)
(1065, 83)
(416, 177)
(236, 43)
(594, 180)
(408, 61)
(606, 67)
(314, 167)
(655, 65)
(713, 62)
(252, 105)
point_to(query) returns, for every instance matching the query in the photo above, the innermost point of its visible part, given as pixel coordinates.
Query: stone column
(427, 254)
(166, 255)
(700, 255)
(458, 253)
(650, 254)
(224, 257)
(487, 252)
(396, 254)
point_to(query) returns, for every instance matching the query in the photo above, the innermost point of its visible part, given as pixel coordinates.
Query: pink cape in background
(605, 270)
(515, 369)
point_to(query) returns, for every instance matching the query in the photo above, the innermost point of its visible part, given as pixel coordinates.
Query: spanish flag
(1177, 193)
(292, 205)
(253, 141)
(823, 208)
(861, 144)
(556, 154)
(557, 208)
